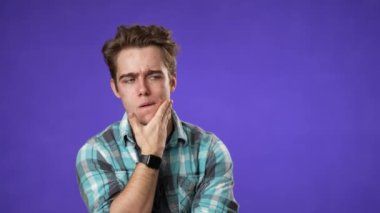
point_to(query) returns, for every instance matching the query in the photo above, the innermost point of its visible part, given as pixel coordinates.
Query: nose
(143, 89)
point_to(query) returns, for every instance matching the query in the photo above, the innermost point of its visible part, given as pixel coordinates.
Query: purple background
(291, 87)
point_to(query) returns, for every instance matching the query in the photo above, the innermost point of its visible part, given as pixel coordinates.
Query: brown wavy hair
(141, 36)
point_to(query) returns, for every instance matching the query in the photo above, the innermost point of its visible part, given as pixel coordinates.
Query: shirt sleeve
(215, 193)
(97, 181)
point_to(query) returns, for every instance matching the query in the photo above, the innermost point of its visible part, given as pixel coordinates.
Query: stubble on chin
(144, 120)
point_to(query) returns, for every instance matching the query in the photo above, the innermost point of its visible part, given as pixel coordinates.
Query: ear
(114, 88)
(172, 82)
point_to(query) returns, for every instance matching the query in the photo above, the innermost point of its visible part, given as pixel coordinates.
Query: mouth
(147, 104)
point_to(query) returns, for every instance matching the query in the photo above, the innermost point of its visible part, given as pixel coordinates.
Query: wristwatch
(151, 161)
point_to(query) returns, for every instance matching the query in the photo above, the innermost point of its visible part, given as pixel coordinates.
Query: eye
(155, 76)
(128, 80)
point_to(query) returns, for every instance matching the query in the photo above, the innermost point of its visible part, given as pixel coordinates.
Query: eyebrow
(134, 75)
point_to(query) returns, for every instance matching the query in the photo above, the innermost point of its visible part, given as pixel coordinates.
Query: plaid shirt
(195, 173)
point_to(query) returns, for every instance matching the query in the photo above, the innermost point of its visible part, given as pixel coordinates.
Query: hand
(151, 137)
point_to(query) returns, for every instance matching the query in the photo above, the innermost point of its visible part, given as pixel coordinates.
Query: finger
(168, 112)
(161, 110)
(167, 118)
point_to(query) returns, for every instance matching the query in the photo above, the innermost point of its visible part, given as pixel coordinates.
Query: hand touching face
(151, 137)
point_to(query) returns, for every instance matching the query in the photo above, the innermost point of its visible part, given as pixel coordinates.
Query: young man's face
(142, 81)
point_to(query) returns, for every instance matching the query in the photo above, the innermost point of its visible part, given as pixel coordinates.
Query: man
(151, 161)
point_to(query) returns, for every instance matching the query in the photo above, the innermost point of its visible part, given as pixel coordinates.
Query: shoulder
(102, 143)
(211, 153)
(204, 140)
(196, 134)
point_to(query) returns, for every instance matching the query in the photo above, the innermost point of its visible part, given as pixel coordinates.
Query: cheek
(161, 90)
(165, 93)
(127, 105)
(127, 99)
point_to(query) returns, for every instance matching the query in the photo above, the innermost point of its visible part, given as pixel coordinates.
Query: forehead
(139, 59)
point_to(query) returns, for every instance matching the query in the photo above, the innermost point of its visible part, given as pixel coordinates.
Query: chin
(144, 119)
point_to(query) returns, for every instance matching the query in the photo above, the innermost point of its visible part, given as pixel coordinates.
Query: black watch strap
(151, 161)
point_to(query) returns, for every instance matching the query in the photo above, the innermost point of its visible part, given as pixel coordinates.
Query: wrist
(157, 153)
(151, 161)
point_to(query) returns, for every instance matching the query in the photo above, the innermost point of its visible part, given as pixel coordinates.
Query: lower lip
(147, 106)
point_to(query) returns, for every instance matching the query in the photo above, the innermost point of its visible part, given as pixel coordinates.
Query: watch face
(155, 160)
(151, 161)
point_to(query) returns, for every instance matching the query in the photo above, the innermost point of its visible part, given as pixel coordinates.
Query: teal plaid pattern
(195, 173)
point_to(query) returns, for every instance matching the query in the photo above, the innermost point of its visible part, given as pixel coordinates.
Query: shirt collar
(177, 135)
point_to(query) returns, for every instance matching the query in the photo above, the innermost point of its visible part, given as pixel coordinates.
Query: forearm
(138, 195)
